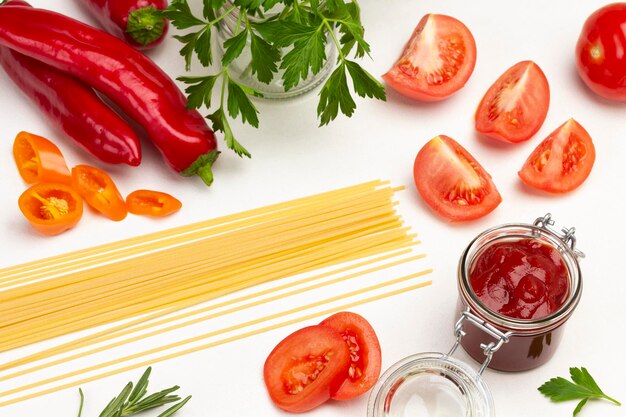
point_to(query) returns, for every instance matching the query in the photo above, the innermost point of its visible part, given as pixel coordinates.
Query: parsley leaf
(264, 58)
(583, 388)
(239, 103)
(307, 53)
(199, 91)
(220, 123)
(364, 84)
(179, 14)
(233, 47)
(335, 95)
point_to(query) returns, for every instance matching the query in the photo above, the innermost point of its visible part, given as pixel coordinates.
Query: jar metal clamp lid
(437, 384)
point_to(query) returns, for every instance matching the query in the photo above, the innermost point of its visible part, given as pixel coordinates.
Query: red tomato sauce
(522, 279)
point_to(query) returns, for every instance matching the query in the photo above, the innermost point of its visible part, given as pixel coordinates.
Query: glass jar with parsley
(285, 82)
(272, 48)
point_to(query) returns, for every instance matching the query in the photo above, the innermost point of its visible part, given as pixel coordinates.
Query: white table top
(292, 157)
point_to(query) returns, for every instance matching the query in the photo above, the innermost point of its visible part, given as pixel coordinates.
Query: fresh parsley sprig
(132, 401)
(290, 44)
(583, 388)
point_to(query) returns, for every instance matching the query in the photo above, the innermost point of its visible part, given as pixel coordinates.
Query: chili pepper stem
(202, 167)
(145, 25)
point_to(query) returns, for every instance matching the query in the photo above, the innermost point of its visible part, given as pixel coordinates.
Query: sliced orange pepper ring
(152, 203)
(39, 160)
(51, 208)
(99, 191)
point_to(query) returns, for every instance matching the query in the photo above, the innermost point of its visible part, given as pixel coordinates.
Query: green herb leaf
(583, 388)
(180, 15)
(199, 91)
(264, 58)
(133, 401)
(202, 46)
(239, 103)
(364, 84)
(233, 47)
(334, 96)
(220, 123)
(82, 402)
(306, 54)
(189, 40)
(170, 411)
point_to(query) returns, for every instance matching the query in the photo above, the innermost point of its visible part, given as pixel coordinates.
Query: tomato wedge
(562, 161)
(436, 62)
(365, 356)
(306, 368)
(452, 182)
(516, 105)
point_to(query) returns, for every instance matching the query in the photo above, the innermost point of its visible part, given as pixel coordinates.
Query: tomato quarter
(562, 161)
(365, 355)
(600, 56)
(436, 62)
(452, 182)
(306, 368)
(516, 105)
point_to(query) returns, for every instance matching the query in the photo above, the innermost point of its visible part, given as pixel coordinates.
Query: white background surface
(293, 157)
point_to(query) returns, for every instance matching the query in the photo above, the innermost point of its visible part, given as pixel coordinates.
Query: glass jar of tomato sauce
(437, 384)
(527, 327)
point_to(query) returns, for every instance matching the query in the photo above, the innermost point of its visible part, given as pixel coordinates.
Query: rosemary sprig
(132, 400)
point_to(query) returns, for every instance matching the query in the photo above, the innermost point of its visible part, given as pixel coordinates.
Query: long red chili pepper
(126, 76)
(73, 107)
(138, 22)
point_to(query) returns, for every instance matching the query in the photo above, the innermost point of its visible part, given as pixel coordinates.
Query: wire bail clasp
(565, 234)
(488, 349)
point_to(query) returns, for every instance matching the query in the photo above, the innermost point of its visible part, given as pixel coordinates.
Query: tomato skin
(452, 182)
(516, 105)
(442, 73)
(600, 57)
(366, 358)
(562, 161)
(293, 359)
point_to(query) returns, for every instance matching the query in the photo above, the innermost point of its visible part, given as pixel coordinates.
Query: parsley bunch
(290, 44)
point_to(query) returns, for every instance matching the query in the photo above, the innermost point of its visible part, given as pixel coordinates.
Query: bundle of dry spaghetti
(143, 285)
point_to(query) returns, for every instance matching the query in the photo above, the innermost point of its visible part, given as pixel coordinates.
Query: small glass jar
(241, 69)
(439, 385)
(522, 344)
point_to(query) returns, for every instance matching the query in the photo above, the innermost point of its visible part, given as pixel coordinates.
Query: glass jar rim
(463, 377)
(521, 230)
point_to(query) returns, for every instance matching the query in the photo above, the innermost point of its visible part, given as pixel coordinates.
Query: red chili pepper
(138, 22)
(73, 107)
(126, 76)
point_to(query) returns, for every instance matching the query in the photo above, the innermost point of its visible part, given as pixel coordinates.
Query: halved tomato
(365, 356)
(562, 161)
(515, 106)
(436, 62)
(452, 182)
(306, 368)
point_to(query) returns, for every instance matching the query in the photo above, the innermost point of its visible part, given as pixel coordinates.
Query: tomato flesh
(600, 57)
(516, 105)
(452, 182)
(306, 368)
(437, 61)
(365, 355)
(562, 161)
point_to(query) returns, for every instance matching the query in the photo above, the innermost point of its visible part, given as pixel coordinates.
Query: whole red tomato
(601, 52)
